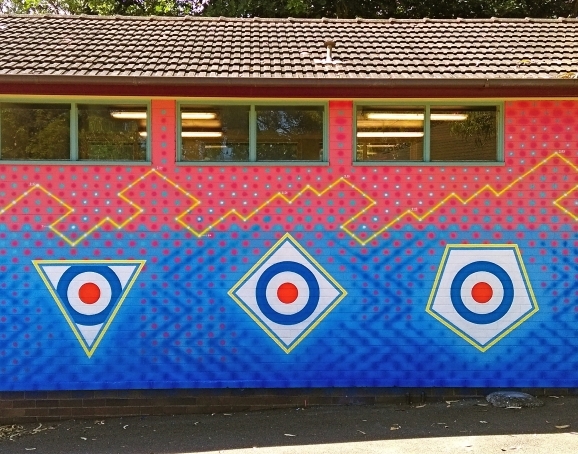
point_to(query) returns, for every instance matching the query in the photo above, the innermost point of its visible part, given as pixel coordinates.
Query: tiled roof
(257, 49)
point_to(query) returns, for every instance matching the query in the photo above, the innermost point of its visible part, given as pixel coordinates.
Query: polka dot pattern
(379, 231)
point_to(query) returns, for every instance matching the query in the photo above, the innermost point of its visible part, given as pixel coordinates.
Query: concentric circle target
(287, 293)
(482, 292)
(89, 293)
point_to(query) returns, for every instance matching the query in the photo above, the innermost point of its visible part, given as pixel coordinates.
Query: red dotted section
(534, 187)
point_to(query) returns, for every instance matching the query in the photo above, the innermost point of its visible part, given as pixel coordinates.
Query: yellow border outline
(104, 329)
(525, 277)
(453, 195)
(311, 327)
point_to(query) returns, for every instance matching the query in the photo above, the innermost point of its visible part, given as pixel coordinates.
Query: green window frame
(252, 134)
(479, 129)
(84, 130)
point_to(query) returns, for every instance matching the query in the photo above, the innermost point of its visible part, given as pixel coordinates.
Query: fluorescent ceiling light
(206, 134)
(198, 115)
(128, 115)
(390, 145)
(448, 117)
(390, 134)
(394, 116)
(415, 116)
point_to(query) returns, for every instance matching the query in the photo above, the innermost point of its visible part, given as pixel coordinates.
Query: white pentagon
(459, 256)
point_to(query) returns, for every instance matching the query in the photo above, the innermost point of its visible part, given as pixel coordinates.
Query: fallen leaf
(451, 401)
(395, 427)
(124, 427)
(361, 431)
(482, 405)
(83, 438)
(514, 408)
(228, 414)
(420, 406)
(484, 422)
(29, 449)
(290, 435)
(565, 426)
(555, 397)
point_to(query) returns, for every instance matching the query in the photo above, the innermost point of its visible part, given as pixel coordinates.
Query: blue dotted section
(179, 328)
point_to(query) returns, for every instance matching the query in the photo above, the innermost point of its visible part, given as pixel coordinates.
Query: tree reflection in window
(289, 133)
(112, 132)
(34, 131)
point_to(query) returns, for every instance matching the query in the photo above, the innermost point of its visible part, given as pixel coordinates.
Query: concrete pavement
(465, 426)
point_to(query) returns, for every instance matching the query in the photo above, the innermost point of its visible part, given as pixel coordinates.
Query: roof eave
(36, 79)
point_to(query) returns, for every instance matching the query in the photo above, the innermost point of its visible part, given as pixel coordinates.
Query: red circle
(287, 293)
(482, 292)
(89, 293)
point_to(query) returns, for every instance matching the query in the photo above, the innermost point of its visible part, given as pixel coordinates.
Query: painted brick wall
(280, 276)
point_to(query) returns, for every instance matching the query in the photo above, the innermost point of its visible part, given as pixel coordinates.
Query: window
(252, 133)
(428, 133)
(73, 132)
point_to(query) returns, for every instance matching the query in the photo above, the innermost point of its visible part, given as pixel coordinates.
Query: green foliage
(479, 126)
(302, 8)
(103, 7)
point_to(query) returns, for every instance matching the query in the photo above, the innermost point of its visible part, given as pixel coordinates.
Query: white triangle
(54, 273)
(124, 273)
(89, 333)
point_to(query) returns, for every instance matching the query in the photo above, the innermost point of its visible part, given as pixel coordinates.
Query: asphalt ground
(464, 426)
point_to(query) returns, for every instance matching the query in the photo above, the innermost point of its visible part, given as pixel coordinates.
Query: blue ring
(104, 271)
(272, 314)
(500, 311)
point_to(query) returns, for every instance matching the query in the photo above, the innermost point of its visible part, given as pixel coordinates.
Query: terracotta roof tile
(287, 48)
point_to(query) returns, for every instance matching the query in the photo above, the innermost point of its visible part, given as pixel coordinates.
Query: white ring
(302, 293)
(85, 278)
(497, 292)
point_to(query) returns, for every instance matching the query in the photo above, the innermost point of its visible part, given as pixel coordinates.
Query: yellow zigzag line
(453, 195)
(279, 195)
(139, 210)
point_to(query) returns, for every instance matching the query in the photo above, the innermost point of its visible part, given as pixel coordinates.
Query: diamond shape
(482, 292)
(287, 293)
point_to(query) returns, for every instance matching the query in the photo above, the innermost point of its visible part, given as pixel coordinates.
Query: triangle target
(89, 293)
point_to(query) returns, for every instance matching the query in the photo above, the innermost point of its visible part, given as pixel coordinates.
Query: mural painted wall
(185, 276)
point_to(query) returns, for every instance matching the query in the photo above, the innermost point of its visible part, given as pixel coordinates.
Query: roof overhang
(330, 87)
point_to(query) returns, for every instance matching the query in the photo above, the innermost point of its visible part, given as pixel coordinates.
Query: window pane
(215, 133)
(290, 133)
(463, 134)
(35, 131)
(112, 132)
(390, 134)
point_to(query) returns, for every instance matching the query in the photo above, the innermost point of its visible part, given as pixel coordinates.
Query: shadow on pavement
(459, 426)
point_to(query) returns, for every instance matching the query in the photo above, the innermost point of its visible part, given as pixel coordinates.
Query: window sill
(430, 164)
(252, 164)
(75, 163)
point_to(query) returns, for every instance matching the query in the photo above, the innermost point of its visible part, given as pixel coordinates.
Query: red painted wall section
(340, 132)
(163, 118)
